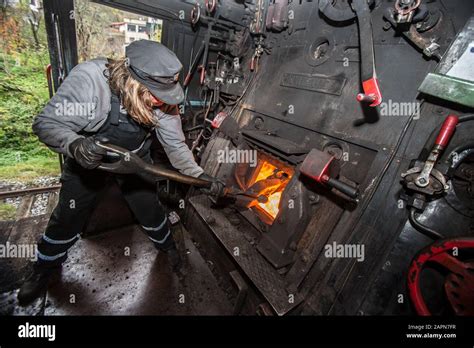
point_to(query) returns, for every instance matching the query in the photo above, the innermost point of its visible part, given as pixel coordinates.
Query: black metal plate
(261, 273)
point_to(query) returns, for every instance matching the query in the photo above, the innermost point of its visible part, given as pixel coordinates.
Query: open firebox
(292, 199)
(267, 180)
(275, 202)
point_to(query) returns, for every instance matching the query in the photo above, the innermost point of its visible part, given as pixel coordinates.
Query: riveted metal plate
(267, 280)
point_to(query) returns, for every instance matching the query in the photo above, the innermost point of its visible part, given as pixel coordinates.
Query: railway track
(29, 197)
(34, 205)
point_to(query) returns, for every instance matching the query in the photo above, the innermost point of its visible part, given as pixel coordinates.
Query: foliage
(92, 22)
(29, 169)
(7, 211)
(23, 93)
(23, 86)
(21, 28)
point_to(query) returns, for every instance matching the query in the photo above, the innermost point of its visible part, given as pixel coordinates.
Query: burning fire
(271, 206)
(266, 170)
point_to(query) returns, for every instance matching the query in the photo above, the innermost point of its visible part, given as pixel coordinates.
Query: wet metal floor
(117, 273)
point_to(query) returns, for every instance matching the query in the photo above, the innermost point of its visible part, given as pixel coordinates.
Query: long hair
(134, 96)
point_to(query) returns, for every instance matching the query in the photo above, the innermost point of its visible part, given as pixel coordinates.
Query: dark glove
(87, 153)
(217, 187)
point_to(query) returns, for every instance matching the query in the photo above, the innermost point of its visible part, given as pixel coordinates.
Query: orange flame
(266, 170)
(271, 206)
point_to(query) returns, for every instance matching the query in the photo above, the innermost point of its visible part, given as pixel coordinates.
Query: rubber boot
(36, 284)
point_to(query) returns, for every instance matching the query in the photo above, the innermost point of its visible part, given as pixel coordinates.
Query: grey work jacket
(82, 104)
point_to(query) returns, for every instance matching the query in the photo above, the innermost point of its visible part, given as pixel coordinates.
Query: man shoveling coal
(124, 102)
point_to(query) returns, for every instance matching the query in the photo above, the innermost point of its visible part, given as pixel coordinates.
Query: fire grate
(271, 284)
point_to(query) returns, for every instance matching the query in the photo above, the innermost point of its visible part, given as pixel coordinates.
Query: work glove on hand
(87, 153)
(217, 187)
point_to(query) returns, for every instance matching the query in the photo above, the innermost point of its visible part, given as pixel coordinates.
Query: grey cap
(156, 67)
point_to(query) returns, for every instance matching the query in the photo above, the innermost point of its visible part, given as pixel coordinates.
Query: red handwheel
(459, 283)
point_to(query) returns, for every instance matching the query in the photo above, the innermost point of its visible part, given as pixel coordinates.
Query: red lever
(187, 80)
(202, 75)
(318, 165)
(252, 64)
(371, 93)
(447, 130)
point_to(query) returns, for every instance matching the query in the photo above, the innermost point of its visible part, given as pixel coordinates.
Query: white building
(136, 29)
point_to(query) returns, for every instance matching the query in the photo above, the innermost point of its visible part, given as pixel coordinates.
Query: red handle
(48, 70)
(187, 79)
(447, 130)
(371, 93)
(202, 74)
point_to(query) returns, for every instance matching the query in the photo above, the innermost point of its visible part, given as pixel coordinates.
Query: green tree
(92, 22)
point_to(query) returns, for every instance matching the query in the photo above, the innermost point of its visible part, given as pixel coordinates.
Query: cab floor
(118, 272)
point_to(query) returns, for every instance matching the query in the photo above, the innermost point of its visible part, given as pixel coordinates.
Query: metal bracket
(243, 290)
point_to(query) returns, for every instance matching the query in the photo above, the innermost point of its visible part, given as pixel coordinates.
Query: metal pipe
(174, 175)
(422, 228)
(129, 163)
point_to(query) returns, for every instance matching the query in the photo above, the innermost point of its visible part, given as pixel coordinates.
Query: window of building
(132, 28)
